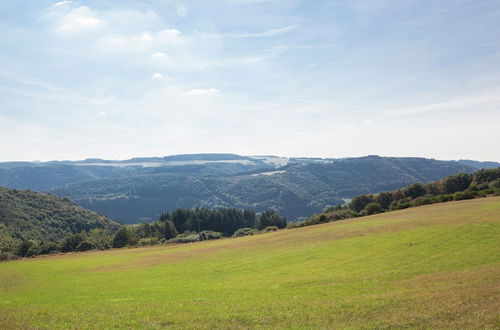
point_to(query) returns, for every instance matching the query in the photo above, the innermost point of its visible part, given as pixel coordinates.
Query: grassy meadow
(433, 266)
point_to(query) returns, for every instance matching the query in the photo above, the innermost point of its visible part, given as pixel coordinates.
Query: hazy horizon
(331, 79)
(253, 155)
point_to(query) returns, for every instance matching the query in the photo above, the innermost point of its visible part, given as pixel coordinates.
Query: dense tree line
(451, 188)
(179, 226)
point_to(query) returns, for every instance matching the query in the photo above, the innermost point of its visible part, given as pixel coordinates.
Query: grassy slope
(432, 266)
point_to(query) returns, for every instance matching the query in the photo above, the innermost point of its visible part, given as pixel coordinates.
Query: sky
(322, 78)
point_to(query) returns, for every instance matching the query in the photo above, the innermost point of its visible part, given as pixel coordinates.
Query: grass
(435, 266)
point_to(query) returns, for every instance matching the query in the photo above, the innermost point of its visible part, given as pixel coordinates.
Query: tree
(28, 248)
(123, 237)
(384, 199)
(70, 243)
(169, 230)
(269, 218)
(414, 190)
(359, 202)
(455, 183)
(372, 208)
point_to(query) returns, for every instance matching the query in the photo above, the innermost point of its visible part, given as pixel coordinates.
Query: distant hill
(29, 215)
(479, 165)
(296, 190)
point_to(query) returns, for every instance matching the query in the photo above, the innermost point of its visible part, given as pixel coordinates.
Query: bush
(495, 184)
(358, 203)
(49, 248)
(85, 246)
(148, 241)
(187, 237)
(123, 237)
(372, 208)
(247, 231)
(28, 248)
(415, 190)
(70, 243)
(6, 256)
(269, 229)
(462, 195)
(400, 206)
(210, 235)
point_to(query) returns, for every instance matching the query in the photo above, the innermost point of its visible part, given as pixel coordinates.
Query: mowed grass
(435, 266)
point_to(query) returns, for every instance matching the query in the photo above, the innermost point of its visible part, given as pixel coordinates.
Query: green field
(434, 266)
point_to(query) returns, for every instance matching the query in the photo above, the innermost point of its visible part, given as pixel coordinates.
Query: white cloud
(79, 19)
(169, 33)
(158, 76)
(62, 3)
(268, 33)
(200, 92)
(158, 55)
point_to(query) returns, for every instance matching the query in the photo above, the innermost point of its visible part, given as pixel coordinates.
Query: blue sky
(120, 79)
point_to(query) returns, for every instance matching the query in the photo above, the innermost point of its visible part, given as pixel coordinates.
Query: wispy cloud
(78, 19)
(202, 92)
(268, 33)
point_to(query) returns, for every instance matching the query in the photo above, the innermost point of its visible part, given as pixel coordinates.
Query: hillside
(295, 191)
(436, 266)
(28, 215)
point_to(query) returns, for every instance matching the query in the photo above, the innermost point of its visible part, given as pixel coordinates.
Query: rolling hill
(436, 266)
(141, 189)
(29, 215)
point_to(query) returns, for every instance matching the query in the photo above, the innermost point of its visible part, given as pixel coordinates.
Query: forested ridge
(27, 215)
(295, 191)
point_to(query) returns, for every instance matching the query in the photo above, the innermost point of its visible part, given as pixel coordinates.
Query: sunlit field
(432, 266)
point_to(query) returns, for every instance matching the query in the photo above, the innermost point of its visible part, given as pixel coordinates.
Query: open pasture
(434, 266)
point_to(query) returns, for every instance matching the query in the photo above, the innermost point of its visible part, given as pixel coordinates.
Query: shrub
(269, 229)
(415, 190)
(372, 208)
(123, 237)
(247, 231)
(6, 256)
(187, 237)
(28, 248)
(400, 206)
(462, 195)
(85, 246)
(210, 235)
(70, 243)
(359, 202)
(148, 241)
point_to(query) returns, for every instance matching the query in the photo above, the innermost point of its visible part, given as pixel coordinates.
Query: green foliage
(43, 219)
(295, 191)
(415, 190)
(169, 230)
(456, 183)
(122, 237)
(186, 237)
(372, 208)
(270, 229)
(207, 235)
(69, 244)
(28, 248)
(358, 203)
(245, 232)
(463, 186)
(270, 218)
